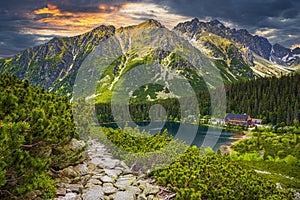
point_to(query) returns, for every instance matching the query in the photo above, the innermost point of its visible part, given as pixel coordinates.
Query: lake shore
(236, 134)
(226, 148)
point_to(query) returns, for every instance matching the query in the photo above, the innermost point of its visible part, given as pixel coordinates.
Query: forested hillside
(35, 130)
(275, 100)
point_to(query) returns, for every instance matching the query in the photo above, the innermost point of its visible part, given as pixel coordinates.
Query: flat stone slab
(97, 176)
(102, 177)
(124, 182)
(126, 195)
(95, 182)
(151, 190)
(113, 172)
(71, 196)
(61, 191)
(109, 190)
(75, 188)
(105, 162)
(134, 189)
(93, 194)
(107, 179)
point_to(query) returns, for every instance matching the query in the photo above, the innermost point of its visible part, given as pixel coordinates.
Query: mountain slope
(54, 65)
(236, 54)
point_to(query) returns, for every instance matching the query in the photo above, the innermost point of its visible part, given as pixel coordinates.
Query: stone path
(103, 177)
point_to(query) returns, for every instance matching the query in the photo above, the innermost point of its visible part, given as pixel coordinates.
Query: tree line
(273, 99)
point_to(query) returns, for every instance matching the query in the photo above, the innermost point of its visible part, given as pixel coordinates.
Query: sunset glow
(52, 10)
(295, 46)
(37, 21)
(73, 23)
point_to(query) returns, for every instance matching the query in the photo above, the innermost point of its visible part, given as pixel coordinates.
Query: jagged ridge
(259, 45)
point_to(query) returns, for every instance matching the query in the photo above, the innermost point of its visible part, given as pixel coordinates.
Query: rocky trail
(101, 176)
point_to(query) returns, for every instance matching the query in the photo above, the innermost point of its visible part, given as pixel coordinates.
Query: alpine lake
(192, 134)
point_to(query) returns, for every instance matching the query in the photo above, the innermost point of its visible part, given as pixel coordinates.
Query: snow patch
(91, 97)
(71, 66)
(262, 172)
(284, 58)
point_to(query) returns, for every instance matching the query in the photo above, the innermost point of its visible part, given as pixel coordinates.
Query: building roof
(237, 116)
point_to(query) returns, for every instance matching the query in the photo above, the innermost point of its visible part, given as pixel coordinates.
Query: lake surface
(190, 133)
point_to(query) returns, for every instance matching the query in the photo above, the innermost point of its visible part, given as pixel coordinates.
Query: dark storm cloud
(16, 15)
(241, 11)
(282, 16)
(290, 13)
(86, 5)
(65, 5)
(12, 11)
(12, 42)
(253, 15)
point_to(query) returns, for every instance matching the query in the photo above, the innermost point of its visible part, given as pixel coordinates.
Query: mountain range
(237, 54)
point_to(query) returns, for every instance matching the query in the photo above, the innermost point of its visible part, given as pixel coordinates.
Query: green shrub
(141, 150)
(35, 126)
(215, 177)
(275, 146)
(196, 173)
(291, 160)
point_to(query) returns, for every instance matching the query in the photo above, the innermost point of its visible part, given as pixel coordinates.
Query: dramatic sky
(26, 23)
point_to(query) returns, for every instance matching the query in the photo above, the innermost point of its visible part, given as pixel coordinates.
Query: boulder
(81, 169)
(61, 192)
(69, 172)
(151, 190)
(77, 144)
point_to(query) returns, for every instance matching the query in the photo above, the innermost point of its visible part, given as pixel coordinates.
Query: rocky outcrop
(257, 44)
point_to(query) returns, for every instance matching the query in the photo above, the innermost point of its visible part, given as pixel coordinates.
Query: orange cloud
(110, 8)
(52, 10)
(53, 21)
(102, 7)
(51, 7)
(294, 46)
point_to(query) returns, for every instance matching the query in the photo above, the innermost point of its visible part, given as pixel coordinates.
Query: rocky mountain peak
(257, 44)
(296, 50)
(195, 20)
(216, 23)
(104, 28)
(151, 23)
